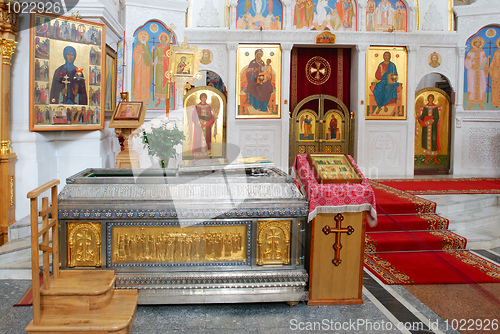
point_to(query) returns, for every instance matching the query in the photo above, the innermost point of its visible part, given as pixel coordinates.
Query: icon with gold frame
(333, 168)
(204, 124)
(258, 84)
(386, 83)
(128, 114)
(67, 73)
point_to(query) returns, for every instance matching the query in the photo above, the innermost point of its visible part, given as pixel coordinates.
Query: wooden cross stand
(337, 246)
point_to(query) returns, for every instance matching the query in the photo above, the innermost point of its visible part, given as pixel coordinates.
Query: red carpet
(404, 241)
(27, 298)
(411, 244)
(410, 222)
(432, 267)
(445, 186)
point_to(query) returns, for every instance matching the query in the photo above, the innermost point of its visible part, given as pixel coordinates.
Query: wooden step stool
(72, 301)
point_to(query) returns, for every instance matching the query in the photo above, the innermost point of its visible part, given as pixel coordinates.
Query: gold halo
(164, 34)
(141, 33)
(472, 43)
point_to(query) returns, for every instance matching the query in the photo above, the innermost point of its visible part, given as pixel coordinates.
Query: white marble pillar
(286, 58)
(412, 15)
(458, 133)
(361, 16)
(358, 104)
(232, 138)
(127, 84)
(410, 107)
(459, 94)
(232, 14)
(287, 14)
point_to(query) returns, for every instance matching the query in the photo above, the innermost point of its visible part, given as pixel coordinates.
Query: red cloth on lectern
(334, 197)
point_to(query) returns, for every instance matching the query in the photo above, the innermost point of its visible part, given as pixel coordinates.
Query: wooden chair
(71, 301)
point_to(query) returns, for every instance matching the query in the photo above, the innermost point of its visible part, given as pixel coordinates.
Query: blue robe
(384, 91)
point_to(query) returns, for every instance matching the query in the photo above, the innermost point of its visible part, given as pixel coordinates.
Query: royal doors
(320, 123)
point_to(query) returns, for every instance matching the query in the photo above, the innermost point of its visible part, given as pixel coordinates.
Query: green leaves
(161, 138)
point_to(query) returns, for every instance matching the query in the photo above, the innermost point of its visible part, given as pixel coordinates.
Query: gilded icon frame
(133, 120)
(52, 38)
(392, 110)
(263, 84)
(111, 76)
(218, 106)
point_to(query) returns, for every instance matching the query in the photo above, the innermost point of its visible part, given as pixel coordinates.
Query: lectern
(339, 199)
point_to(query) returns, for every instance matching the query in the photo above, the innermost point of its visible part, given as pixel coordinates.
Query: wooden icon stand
(127, 117)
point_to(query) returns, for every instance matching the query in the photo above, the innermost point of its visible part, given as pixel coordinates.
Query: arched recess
(433, 130)
(320, 123)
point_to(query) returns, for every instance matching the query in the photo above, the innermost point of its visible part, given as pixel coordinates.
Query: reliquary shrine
(192, 235)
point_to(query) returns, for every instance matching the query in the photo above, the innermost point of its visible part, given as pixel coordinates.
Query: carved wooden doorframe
(321, 135)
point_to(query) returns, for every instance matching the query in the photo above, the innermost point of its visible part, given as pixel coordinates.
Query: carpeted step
(446, 186)
(413, 241)
(431, 267)
(394, 201)
(413, 222)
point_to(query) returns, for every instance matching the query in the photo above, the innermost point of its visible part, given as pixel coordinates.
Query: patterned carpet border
(435, 222)
(449, 240)
(391, 275)
(386, 270)
(447, 191)
(421, 205)
(473, 260)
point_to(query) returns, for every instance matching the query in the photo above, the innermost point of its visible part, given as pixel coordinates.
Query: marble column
(359, 104)
(459, 96)
(410, 107)
(127, 84)
(232, 14)
(286, 58)
(231, 136)
(361, 22)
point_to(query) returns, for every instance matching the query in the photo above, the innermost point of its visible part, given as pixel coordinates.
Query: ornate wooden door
(320, 123)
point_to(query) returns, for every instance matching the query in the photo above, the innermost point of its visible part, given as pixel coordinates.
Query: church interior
(248, 166)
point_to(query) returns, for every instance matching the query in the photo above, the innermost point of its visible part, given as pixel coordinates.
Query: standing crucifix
(67, 97)
(337, 246)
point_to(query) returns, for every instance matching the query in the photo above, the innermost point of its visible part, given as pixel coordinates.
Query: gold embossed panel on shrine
(210, 234)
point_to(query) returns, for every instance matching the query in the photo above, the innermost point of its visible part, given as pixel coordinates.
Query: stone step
(15, 259)
(485, 237)
(462, 202)
(21, 228)
(473, 219)
(15, 250)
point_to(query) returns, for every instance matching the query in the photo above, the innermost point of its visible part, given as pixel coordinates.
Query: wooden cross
(337, 246)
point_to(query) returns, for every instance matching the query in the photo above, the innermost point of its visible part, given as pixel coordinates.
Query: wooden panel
(330, 284)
